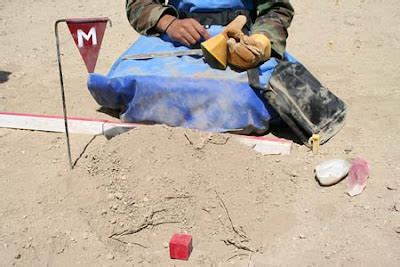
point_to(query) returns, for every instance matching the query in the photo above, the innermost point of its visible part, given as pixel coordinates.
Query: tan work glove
(245, 52)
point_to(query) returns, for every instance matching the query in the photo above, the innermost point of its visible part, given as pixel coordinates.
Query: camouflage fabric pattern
(273, 19)
(143, 15)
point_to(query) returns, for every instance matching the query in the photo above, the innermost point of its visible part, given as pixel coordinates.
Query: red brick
(180, 246)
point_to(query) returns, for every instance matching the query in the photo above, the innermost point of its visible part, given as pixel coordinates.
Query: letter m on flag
(88, 36)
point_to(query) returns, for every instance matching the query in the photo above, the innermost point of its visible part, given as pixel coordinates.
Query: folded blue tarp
(182, 91)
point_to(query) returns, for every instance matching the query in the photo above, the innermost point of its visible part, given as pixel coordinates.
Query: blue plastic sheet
(211, 5)
(182, 91)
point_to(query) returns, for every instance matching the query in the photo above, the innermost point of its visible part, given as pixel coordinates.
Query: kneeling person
(184, 21)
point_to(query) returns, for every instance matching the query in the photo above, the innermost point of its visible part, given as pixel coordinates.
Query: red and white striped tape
(53, 123)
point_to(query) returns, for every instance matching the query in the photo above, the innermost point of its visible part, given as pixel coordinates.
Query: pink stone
(358, 176)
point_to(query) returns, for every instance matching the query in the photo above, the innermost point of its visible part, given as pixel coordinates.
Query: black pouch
(306, 106)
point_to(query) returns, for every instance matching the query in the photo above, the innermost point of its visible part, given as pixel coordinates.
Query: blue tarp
(182, 91)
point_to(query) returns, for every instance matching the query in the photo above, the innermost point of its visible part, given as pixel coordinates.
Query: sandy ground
(53, 216)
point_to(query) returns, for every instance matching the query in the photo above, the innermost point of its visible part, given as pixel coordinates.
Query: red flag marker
(88, 36)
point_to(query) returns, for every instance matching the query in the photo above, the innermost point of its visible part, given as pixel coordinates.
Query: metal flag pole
(90, 20)
(63, 93)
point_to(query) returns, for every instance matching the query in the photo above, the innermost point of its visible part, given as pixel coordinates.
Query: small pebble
(301, 236)
(118, 195)
(348, 150)
(165, 244)
(110, 257)
(149, 178)
(206, 209)
(391, 187)
(114, 221)
(397, 229)
(397, 206)
(17, 257)
(85, 235)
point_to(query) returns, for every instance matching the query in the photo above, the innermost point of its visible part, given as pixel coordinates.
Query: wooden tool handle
(238, 23)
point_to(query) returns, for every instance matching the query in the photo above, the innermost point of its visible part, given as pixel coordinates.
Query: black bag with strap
(306, 106)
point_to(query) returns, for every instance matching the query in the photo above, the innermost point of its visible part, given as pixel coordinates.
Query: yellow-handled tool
(214, 50)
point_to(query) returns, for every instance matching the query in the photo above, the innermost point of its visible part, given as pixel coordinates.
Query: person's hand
(186, 31)
(245, 52)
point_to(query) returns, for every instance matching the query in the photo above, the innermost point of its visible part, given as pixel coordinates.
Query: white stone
(332, 171)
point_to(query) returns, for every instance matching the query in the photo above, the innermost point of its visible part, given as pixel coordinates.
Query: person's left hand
(245, 52)
(185, 31)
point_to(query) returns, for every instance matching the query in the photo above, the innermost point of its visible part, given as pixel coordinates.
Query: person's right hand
(246, 52)
(185, 31)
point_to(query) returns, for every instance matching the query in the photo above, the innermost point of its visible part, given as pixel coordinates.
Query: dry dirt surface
(128, 195)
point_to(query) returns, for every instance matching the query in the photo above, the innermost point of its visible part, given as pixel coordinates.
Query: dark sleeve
(143, 15)
(273, 20)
